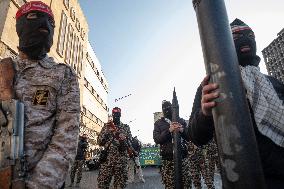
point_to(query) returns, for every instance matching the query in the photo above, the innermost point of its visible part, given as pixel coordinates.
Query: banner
(150, 156)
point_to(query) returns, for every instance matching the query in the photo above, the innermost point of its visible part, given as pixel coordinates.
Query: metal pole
(176, 145)
(239, 156)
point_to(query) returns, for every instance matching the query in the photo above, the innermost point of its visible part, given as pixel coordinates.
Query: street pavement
(151, 175)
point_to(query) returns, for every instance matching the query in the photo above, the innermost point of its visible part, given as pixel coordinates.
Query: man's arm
(200, 127)
(52, 169)
(159, 136)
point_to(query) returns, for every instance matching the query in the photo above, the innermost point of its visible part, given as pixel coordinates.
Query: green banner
(150, 156)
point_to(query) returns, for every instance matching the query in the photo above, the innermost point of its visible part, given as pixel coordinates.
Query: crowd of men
(50, 94)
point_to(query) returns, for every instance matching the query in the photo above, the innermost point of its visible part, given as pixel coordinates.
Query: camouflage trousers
(77, 167)
(114, 167)
(196, 168)
(167, 173)
(211, 159)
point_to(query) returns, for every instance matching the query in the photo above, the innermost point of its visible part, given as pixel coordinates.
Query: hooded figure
(167, 109)
(51, 96)
(266, 104)
(245, 44)
(116, 114)
(265, 95)
(35, 28)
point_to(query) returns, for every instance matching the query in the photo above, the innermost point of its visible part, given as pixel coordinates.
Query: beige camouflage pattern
(105, 137)
(77, 167)
(116, 163)
(51, 96)
(196, 164)
(211, 159)
(167, 174)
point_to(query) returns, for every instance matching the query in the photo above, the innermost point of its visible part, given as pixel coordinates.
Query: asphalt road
(151, 175)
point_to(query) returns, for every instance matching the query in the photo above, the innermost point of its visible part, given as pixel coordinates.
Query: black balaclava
(245, 44)
(167, 109)
(33, 42)
(116, 114)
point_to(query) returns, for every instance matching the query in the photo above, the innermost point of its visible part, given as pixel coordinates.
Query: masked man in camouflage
(162, 134)
(50, 94)
(114, 137)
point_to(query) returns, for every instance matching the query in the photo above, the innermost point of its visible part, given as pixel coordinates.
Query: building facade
(95, 109)
(158, 115)
(273, 56)
(70, 46)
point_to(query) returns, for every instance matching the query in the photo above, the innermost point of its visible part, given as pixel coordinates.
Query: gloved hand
(3, 119)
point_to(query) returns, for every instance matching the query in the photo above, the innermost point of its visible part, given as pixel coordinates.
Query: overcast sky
(148, 47)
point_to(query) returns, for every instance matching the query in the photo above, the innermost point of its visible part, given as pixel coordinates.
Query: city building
(158, 115)
(70, 46)
(273, 56)
(95, 109)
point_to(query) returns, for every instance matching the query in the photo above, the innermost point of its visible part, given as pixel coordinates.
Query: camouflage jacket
(51, 97)
(117, 148)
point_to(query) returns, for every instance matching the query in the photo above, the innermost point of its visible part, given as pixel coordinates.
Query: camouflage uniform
(196, 164)
(77, 166)
(116, 163)
(51, 96)
(211, 159)
(162, 136)
(167, 172)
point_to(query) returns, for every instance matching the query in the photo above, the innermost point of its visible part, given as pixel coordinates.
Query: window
(66, 4)
(83, 34)
(72, 14)
(74, 52)
(69, 44)
(84, 110)
(61, 37)
(78, 25)
(80, 59)
(85, 82)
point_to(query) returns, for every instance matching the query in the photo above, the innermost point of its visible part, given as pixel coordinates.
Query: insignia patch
(41, 97)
